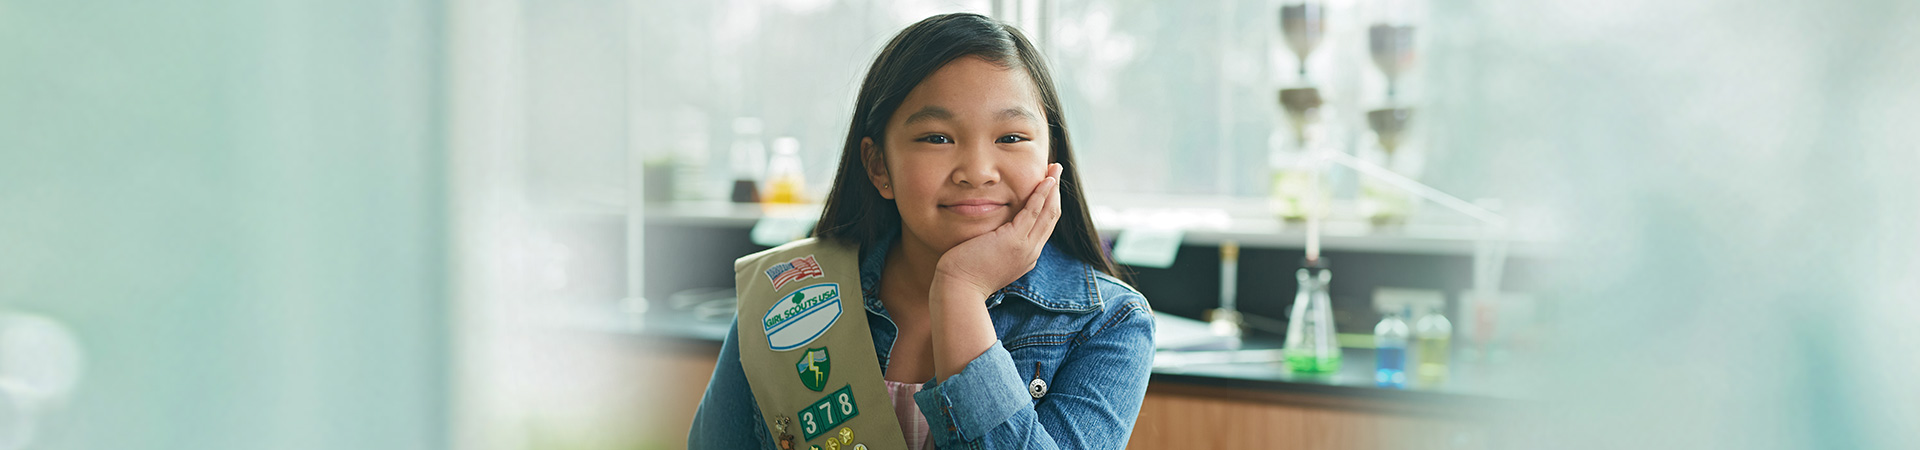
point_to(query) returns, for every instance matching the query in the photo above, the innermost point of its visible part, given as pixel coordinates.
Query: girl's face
(962, 153)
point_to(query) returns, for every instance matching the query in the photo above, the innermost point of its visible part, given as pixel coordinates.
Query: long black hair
(856, 213)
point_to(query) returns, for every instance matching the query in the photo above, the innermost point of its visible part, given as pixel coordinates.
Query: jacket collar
(1058, 282)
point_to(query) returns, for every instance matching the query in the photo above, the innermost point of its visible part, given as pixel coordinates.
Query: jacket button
(1037, 388)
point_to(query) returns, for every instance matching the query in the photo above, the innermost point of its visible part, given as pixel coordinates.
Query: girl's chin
(953, 234)
(946, 231)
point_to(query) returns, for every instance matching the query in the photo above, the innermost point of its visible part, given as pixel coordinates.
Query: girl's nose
(976, 165)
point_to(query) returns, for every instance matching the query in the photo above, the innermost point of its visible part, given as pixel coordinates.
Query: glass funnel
(1303, 25)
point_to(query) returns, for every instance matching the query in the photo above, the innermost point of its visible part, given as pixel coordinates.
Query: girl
(979, 324)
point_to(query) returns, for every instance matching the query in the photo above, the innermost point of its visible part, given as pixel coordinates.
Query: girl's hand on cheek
(991, 261)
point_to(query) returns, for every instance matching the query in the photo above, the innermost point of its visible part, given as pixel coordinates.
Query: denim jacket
(1087, 338)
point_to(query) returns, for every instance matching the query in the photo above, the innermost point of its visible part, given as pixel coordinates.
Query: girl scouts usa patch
(794, 270)
(800, 317)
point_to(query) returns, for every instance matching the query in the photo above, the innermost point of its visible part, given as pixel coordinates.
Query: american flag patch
(794, 270)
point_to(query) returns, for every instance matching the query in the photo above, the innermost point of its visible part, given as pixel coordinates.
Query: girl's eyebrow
(1015, 113)
(929, 112)
(932, 112)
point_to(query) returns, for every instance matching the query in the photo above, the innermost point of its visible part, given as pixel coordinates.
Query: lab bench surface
(1205, 402)
(1255, 366)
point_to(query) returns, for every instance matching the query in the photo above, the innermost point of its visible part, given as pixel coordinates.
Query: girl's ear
(876, 162)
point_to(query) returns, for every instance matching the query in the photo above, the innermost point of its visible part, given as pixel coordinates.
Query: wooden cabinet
(688, 365)
(1185, 416)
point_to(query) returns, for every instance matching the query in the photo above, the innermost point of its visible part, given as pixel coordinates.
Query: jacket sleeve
(1092, 403)
(728, 417)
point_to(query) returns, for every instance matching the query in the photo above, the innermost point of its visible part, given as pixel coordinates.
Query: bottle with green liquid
(1311, 346)
(1432, 343)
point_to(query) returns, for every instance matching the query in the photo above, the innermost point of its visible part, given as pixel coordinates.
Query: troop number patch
(828, 412)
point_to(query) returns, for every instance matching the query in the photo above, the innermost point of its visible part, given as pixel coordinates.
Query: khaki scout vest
(807, 352)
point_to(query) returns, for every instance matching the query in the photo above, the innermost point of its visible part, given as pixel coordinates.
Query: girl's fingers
(1036, 205)
(1049, 212)
(1036, 208)
(1053, 204)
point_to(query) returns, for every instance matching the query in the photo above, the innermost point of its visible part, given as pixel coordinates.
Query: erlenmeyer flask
(1311, 345)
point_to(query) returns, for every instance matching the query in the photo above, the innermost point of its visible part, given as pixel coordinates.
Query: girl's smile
(975, 207)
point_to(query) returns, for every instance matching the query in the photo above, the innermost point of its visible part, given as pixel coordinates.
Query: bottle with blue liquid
(1390, 348)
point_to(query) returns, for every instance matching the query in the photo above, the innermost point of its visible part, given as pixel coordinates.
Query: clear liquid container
(1390, 350)
(1295, 186)
(1432, 343)
(1225, 321)
(749, 160)
(1311, 345)
(785, 182)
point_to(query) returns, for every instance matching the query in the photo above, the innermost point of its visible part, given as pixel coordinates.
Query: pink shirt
(912, 424)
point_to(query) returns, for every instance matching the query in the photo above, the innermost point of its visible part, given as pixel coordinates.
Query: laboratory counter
(1199, 399)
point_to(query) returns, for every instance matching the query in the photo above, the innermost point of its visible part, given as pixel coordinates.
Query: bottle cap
(786, 145)
(746, 125)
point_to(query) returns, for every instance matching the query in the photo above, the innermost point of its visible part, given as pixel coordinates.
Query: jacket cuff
(969, 404)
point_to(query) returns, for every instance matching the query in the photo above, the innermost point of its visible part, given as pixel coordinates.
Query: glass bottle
(1311, 345)
(1225, 321)
(1390, 348)
(749, 160)
(785, 182)
(1432, 342)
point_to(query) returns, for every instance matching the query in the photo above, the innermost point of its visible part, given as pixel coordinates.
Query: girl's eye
(936, 139)
(1011, 139)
